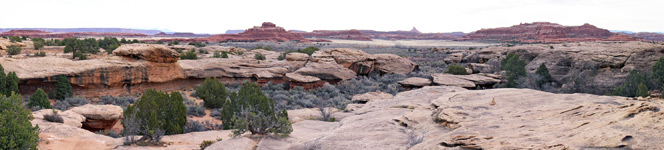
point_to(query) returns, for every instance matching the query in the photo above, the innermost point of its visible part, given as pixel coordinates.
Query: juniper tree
(16, 132)
(212, 92)
(63, 88)
(39, 99)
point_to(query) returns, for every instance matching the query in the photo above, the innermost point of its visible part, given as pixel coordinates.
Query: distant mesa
(44, 34)
(546, 32)
(367, 35)
(180, 34)
(266, 32)
(95, 30)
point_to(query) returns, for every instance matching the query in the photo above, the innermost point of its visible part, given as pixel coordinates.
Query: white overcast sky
(217, 16)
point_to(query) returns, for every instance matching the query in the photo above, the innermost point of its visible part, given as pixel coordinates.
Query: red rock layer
(367, 35)
(545, 32)
(181, 34)
(266, 32)
(44, 34)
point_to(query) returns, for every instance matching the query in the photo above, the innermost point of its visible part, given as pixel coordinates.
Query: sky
(217, 16)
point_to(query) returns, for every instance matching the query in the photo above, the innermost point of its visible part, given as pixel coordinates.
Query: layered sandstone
(44, 34)
(545, 32)
(137, 67)
(266, 32)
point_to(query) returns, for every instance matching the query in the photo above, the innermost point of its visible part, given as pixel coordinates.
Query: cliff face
(138, 67)
(266, 32)
(545, 32)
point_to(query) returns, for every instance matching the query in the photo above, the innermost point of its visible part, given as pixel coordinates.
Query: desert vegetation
(17, 132)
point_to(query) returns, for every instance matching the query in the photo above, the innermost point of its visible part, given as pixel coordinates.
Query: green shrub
(39, 99)
(642, 91)
(63, 88)
(658, 72)
(281, 57)
(13, 49)
(457, 70)
(213, 93)
(259, 56)
(250, 110)
(40, 54)
(16, 132)
(197, 44)
(8, 82)
(206, 143)
(514, 67)
(202, 51)
(219, 55)
(629, 87)
(544, 76)
(309, 50)
(154, 115)
(38, 43)
(189, 55)
(15, 39)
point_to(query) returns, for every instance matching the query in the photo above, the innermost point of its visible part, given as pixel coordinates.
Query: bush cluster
(251, 110)
(39, 100)
(8, 82)
(14, 50)
(456, 70)
(189, 55)
(155, 114)
(70, 102)
(16, 132)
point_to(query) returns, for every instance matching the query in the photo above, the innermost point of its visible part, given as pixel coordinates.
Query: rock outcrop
(266, 32)
(99, 117)
(137, 67)
(466, 81)
(149, 52)
(415, 82)
(545, 32)
(370, 96)
(598, 66)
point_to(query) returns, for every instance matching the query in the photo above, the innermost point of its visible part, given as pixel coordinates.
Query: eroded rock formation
(137, 67)
(545, 32)
(266, 32)
(44, 34)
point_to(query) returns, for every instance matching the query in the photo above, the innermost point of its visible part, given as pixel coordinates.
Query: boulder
(370, 96)
(480, 68)
(326, 69)
(150, 52)
(301, 78)
(453, 58)
(451, 80)
(391, 64)
(466, 81)
(343, 56)
(61, 136)
(99, 117)
(68, 117)
(415, 82)
(297, 57)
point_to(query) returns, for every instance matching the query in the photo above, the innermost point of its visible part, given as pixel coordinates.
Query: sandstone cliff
(545, 32)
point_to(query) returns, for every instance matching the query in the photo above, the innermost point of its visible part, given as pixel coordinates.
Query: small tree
(63, 88)
(16, 132)
(154, 115)
(259, 56)
(514, 68)
(544, 76)
(456, 69)
(189, 55)
(631, 84)
(14, 49)
(39, 99)
(224, 54)
(642, 91)
(213, 92)
(250, 110)
(658, 72)
(309, 50)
